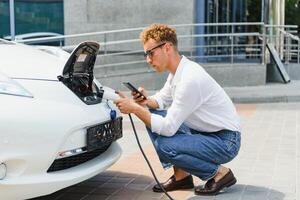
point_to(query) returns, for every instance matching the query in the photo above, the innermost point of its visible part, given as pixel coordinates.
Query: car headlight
(10, 87)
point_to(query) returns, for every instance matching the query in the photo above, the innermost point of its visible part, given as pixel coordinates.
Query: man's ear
(168, 46)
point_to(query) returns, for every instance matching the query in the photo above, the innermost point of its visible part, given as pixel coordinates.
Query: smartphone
(133, 89)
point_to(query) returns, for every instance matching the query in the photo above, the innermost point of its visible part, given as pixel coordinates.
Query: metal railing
(285, 41)
(205, 43)
(291, 49)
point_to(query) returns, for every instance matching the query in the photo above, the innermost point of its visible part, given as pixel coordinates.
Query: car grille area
(99, 138)
(72, 161)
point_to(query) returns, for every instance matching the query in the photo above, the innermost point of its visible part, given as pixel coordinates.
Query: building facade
(81, 16)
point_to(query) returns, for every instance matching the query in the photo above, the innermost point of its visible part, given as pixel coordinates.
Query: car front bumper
(45, 183)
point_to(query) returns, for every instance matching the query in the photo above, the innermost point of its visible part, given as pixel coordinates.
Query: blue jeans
(198, 153)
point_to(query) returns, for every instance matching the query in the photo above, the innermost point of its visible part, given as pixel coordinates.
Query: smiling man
(191, 121)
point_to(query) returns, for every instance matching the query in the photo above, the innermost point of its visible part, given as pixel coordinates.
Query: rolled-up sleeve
(156, 123)
(159, 101)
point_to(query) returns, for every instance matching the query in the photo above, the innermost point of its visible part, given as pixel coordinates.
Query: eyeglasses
(151, 51)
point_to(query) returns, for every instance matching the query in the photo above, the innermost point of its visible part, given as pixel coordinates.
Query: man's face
(156, 55)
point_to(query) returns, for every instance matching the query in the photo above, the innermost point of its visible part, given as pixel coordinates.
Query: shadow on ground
(245, 192)
(128, 186)
(109, 184)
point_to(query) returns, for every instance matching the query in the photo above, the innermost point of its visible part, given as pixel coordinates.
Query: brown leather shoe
(171, 184)
(213, 188)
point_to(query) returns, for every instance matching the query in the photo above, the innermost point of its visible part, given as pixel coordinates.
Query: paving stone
(78, 189)
(137, 186)
(95, 197)
(89, 183)
(69, 196)
(125, 180)
(105, 191)
(150, 196)
(126, 193)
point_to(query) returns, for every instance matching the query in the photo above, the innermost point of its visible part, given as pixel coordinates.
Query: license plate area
(104, 134)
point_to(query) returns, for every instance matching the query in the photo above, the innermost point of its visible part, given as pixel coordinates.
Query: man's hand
(125, 104)
(139, 99)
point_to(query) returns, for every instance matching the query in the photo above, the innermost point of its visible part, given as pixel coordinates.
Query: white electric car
(56, 129)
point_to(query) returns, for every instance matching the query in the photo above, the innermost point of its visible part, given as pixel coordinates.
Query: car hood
(23, 61)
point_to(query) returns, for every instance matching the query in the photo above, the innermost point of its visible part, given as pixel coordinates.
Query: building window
(33, 16)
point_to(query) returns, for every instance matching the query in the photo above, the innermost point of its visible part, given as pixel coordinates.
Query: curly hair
(160, 33)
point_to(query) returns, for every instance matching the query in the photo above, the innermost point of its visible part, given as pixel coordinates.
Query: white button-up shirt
(194, 98)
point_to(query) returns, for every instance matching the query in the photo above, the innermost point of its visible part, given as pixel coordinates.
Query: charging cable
(154, 176)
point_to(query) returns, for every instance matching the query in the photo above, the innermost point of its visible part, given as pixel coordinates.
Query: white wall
(83, 16)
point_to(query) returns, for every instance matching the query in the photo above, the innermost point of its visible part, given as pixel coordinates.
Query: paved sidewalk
(267, 166)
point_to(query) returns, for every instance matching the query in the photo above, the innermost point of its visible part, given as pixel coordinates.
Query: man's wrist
(136, 109)
(151, 103)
